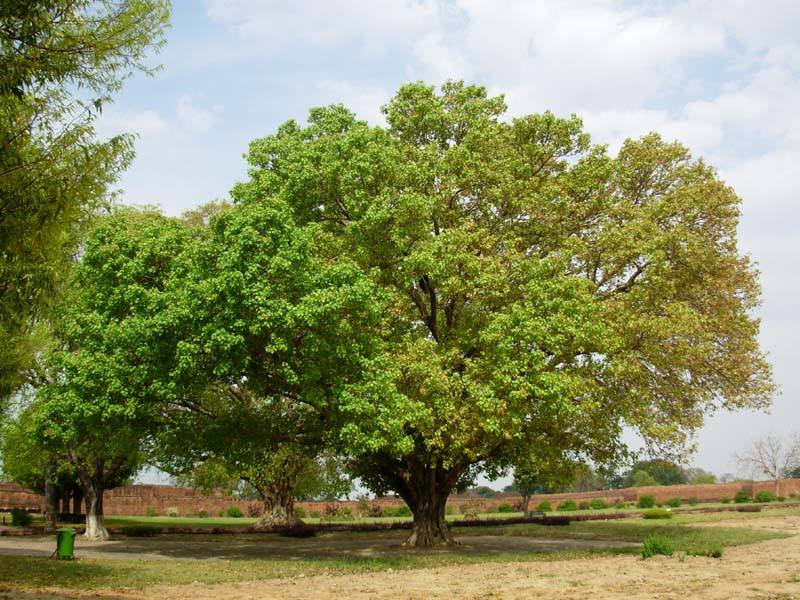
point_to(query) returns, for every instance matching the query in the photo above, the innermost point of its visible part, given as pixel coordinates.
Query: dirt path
(765, 570)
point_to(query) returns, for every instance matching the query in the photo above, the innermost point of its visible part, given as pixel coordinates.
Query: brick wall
(139, 499)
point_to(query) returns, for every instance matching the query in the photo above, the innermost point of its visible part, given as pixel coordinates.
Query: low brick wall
(141, 499)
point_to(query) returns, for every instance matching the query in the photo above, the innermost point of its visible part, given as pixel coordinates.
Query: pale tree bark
(278, 508)
(95, 519)
(276, 481)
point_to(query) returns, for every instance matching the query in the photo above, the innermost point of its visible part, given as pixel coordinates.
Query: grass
(96, 574)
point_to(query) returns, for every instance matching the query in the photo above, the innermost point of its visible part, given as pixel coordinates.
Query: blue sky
(723, 77)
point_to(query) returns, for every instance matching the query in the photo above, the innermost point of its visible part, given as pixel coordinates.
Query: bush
(692, 501)
(20, 517)
(344, 513)
(397, 511)
(449, 509)
(172, 511)
(646, 501)
(203, 514)
(726, 500)
(741, 496)
(544, 506)
(299, 512)
(598, 504)
(221, 512)
(781, 498)
(656, 543)
(657, 513)
(234, 512)
(620, 505)
(567, 505)
(584, 505)
(673, 502)
(151, 512)
(315, 514)
(764, 496)
(505, 507)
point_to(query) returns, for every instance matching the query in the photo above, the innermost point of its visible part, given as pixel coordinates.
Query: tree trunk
(526, 500)
(95, 521)
(50, 501)
(425, 488)
(77, 500)
(278, 508)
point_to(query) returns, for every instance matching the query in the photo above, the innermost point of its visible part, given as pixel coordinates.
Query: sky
(722, 77)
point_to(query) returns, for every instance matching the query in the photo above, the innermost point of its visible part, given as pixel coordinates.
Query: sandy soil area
(764, 570)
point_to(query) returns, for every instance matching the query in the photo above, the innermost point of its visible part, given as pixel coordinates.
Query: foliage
(620, 504)
(726, 500)
(741, 496)
(172, 511)
(711, 551)
(60, 62)
(299, 512)
(544, 506)
(567, 505)
(540, 293)
(655, 544)
(505, 507)
(692, 500)
(657, 513)
(398, 511)
(151, 511)
(642, 479)
(673, 502)
(764, 496)
(646, 501)
(20, 517)
(203, 514)
(584, 505)
(484, 491)
(234, 512)
(699, 476)
(598, 504)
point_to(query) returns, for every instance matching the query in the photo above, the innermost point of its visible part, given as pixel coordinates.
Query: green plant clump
(673, 502)
(567, 505)
(151, 511)
(234, 512)
(741, 497)
(657, 544)
(20, 517)
(764, 496)
(692, 501)
(726, 500)
(598, 504)
(544, 506)
(203, 514)
(712, 551)
(584, 505)
(172, 511)
(299, 512)
(505, 507)
(646, 501)
(658, 513)
(397, 511)
(620, 505)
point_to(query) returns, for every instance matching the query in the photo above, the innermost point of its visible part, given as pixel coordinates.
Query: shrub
(781, 498)
(584, 505)
(172, 511)
(544, 506)
(344, 513)
(449, 509)
(221, 512)
(726, 500)
(151, 512)
(234, 512)
(567, 505)
(20, 517)
(764, 496)
(656, 543)
(692, 501)
(397, 511)
(315, 514)
(203, 514)
(673, 502)
(598, 504)
(657, 513)
(646, 501)
(299, 512)
(741, 496)
(620, 505)
(505, 507)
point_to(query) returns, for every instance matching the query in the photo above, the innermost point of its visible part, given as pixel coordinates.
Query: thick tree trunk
(50, 502)
(526, 500)
(278, 508)
(95, 521)
(425, 488)
(77, 500)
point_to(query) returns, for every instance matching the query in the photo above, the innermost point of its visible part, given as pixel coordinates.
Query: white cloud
(193, 118)
(365, 101)
(114, 120)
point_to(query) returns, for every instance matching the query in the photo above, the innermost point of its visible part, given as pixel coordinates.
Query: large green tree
(542, 293)
(60, 61)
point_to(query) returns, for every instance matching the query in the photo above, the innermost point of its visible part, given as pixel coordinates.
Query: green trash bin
(65, 543)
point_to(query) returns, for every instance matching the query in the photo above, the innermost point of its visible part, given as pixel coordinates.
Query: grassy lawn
(97, 574)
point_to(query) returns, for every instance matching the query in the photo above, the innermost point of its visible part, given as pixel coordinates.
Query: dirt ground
(765, 570)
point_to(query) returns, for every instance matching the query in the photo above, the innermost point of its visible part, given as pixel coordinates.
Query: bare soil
(764, 570)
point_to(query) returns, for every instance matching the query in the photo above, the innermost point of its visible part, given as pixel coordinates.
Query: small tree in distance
(771, 456)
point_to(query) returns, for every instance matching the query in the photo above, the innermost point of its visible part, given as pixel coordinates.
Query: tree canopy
(541, 292)
(60, 61)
